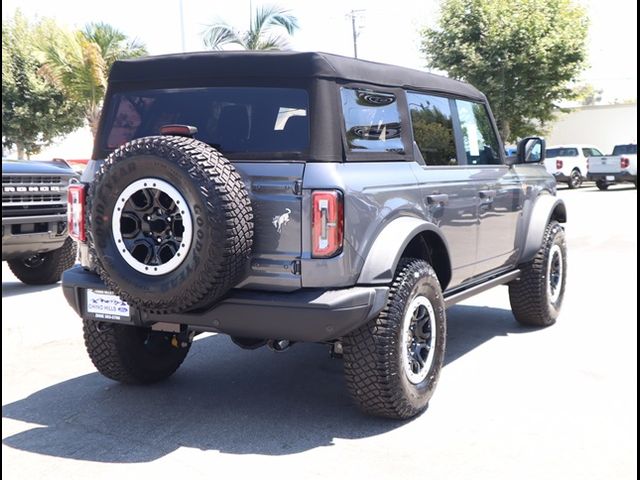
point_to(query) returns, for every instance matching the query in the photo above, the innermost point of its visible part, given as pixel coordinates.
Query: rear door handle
(438, 199)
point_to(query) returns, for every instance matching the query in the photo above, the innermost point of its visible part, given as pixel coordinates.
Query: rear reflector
(75, 212)
(327, 223)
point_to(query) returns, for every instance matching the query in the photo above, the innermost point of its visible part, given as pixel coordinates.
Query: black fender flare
(384, 255)
(544, 209)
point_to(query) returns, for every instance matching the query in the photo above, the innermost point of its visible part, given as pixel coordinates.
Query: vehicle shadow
(616, 188)
(9, 289)
(224, 399)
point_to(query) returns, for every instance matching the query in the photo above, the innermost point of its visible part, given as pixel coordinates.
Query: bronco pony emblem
(280, 221)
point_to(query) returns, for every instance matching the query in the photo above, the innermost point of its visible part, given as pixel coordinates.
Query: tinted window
(480, 141)
(433, 128)
(625, 150)
(372, 121)
(232, 119)
(591, 152)
(562, 152)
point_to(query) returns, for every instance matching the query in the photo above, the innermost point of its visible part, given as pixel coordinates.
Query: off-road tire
(50, 265)
(222, 223)
(575, 179)
(373, 354)
(120, 353)
(529, 297)
(602, 185)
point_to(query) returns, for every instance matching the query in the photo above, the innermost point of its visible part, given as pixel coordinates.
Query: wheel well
(559, 213)
(430, 247)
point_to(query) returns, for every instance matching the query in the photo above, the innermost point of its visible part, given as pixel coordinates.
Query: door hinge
(296, 267)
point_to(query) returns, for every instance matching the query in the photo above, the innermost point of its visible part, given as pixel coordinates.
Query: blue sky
(388, 30)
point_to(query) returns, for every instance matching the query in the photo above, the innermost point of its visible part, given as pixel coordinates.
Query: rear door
(448, 186)
(263, 130)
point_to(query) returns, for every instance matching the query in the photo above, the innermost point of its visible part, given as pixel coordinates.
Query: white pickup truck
(568, 163)
(620, 166)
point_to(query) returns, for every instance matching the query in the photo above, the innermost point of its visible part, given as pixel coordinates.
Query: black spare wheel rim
(152, 226)
(170, 224)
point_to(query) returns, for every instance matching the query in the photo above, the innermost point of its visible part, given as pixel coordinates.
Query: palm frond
(272, 42)
(270, 16)
(219, 34)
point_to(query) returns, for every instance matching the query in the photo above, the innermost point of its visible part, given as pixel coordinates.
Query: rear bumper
(309, 314)
(617, 177)
(24, 236)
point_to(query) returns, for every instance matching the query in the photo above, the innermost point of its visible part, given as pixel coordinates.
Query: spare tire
(170, 224)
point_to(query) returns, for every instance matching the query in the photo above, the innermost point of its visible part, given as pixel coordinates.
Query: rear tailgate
(275, 189)
(607, 164)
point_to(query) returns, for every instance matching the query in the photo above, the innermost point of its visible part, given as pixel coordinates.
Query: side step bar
(457, 297)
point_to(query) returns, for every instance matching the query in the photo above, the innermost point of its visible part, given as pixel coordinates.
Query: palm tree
(264, 31)
(80, 63)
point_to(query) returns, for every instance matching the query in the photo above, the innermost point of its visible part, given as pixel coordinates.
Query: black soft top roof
(244, 64)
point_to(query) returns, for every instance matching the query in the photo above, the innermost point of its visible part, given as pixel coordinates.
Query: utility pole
(182, 27)
(354, 14)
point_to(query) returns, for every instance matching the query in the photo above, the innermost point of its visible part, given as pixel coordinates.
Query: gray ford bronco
(285, 197)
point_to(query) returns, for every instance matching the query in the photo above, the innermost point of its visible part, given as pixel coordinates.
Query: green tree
(80, 63)
(523, 55)
(34, 110)
(265, 30)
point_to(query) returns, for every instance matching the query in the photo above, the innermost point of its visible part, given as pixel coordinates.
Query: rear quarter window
(371, 120)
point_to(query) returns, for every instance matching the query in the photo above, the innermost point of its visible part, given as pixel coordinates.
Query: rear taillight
(559, 164)
(327, 223)
(624, 162)
(75, 212)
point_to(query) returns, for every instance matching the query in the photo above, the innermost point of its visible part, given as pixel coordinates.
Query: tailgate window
(625, 150)
(232, 119)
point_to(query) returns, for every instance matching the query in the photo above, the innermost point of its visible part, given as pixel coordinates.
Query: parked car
(620, 166)
(284, 197)
(568, 163)
(35, 240)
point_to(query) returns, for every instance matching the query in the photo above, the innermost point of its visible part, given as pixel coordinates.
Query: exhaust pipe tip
(278, 345)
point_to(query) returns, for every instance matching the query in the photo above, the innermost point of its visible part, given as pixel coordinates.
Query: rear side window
(480, 140)
(238, 119)
(432, 128)
(372, 121)
(562, 152)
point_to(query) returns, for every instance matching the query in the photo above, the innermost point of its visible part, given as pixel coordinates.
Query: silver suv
(283, 197)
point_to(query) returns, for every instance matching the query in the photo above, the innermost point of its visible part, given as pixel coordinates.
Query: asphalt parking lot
(513, 402)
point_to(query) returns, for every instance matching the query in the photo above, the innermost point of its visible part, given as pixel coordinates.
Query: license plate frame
(610, 178)
(106, 305)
